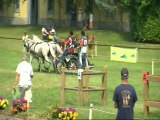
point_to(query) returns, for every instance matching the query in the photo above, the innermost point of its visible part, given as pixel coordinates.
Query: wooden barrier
(147, 102)
(83, 85)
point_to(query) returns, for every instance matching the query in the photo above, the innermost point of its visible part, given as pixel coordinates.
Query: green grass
(46, 86)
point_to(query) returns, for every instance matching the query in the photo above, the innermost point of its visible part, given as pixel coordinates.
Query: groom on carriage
(70, 45)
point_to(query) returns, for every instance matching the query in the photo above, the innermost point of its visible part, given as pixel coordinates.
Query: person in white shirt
(90, 20)
(83, 50)
(24, 74)
(45, 33)
(80, 17)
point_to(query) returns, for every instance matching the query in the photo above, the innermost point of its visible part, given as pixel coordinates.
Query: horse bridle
(28, 46)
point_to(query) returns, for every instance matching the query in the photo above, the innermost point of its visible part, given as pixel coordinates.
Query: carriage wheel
(59, 66)
(73, 64)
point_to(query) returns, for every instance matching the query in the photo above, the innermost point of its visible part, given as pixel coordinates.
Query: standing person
(24, 74)
(125, 98)
(90, 21)
(83, 50)
(73, 17)
(80, 17)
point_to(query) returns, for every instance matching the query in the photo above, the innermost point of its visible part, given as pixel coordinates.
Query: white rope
(98, 110)
(105, 112)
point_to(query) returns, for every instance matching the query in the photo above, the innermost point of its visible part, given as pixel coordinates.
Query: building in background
(57, 13)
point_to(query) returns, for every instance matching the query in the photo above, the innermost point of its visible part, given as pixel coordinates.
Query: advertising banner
(124, 54)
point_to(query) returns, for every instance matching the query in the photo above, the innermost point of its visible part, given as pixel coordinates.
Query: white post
(90, 111)
(80, 74)
(152, 67)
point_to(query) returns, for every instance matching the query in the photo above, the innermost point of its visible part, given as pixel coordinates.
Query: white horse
(55, 49)
(38, 50)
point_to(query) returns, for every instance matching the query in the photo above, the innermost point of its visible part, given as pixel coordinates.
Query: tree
(144, 20)
(110, 7)
(107, 5)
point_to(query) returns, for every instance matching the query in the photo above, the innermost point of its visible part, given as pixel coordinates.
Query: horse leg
(39, 64)
(49, 63)
(54, 65)
(30, 59)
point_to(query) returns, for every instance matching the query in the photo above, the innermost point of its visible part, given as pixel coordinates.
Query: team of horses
(46, 53)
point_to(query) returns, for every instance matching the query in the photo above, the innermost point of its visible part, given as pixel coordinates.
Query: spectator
(80, 17)
(85, 21)
(24, 74)
(90, 21)
(73, 17)
(125, 98)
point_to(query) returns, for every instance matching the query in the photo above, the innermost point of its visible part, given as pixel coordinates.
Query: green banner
(124, 54)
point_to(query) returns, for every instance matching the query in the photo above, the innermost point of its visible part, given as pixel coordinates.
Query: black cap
(124, 73)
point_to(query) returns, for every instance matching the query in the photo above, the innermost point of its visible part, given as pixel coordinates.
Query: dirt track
(4, 117)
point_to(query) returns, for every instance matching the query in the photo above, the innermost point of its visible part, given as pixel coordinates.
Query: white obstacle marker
(90, 111)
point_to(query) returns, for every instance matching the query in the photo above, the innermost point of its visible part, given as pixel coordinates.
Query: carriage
(51, 50)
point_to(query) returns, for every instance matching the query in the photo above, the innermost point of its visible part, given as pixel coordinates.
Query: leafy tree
(144, 20)
(108, 6)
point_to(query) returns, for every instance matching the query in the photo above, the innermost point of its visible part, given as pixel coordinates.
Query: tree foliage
(144, 17)
(144, 20)
(108, 6)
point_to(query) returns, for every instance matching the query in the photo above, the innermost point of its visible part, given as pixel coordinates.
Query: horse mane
(36, 39)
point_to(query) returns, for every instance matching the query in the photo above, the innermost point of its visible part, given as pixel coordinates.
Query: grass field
(46, 86)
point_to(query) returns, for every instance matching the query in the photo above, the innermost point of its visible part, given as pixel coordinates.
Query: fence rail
(156, 47)
(99, 48)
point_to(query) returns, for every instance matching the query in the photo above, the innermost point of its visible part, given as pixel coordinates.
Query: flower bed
(56, 112)
(3, 103)
(67, 114)
(19, 105)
